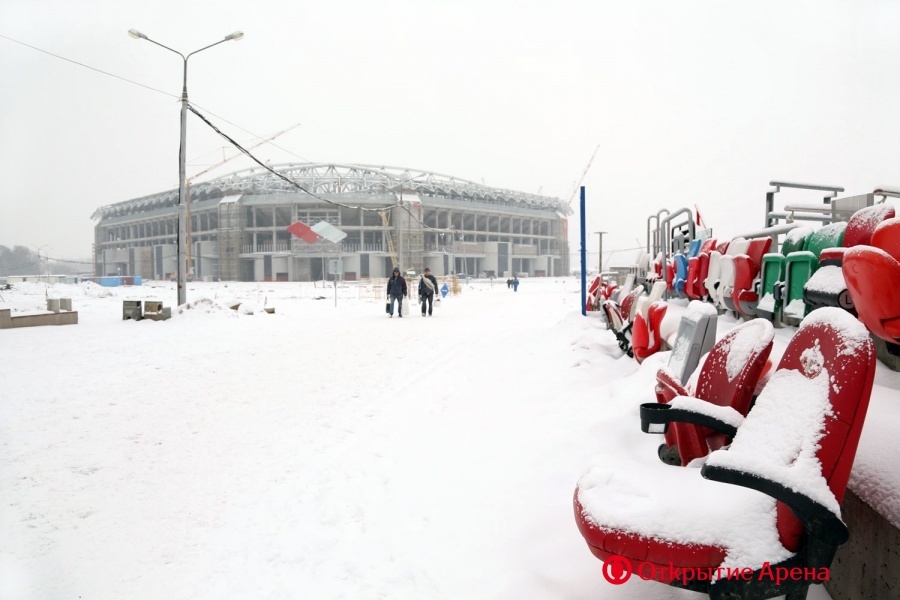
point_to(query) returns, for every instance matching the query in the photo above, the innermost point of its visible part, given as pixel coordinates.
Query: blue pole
(583, 259)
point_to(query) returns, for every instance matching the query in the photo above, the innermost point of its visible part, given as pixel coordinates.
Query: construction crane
(583, 175)
(233, 156)
(187, 199)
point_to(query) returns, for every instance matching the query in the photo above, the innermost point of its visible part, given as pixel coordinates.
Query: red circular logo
(617, 569)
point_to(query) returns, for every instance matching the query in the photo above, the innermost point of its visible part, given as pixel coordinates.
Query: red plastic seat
(725, 379)
(697, 269)
(670, 274)
(827, 286)
(872, 274)
(629, 304)
(646, 338)
(862, 225)
(746, 272)
(796, 447)
(593, 295)
(619, 326)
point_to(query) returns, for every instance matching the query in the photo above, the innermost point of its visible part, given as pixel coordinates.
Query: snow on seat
(771, 276)
(711, 281)
(743, 296)
(656, 292)
(727, 378)
(624, 289)
(827, 286)
(726, 272)
(593, 295)
(697, 270)
(800, 266)
(876, 268)
(646, 334)
(629, 303)
(796, 447)
(620, 317)
(618, 325)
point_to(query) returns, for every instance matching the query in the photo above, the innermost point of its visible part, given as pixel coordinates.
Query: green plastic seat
(772, 273)
(800, 266)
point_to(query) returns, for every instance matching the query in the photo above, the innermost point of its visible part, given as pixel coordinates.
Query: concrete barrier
(7, 321)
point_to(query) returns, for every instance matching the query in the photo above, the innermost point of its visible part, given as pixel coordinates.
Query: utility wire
(177, 97)
(88, 66)
(74, 262)
(233, 142)
(297, 185)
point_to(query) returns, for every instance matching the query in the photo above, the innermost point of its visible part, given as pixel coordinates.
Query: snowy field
(318, 452)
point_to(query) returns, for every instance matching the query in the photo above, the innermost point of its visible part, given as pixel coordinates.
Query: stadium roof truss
(334, 181)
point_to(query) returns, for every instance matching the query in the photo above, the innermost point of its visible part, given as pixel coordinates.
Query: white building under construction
(237, 227)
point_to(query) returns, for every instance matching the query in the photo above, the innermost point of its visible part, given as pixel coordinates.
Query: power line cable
(300, 187)
(88, 66)
(232, 141)
(177, 97)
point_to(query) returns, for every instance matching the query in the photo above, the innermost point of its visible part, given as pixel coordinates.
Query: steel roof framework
(334, 180)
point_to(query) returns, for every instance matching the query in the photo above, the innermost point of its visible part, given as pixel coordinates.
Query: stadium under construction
(237, 227)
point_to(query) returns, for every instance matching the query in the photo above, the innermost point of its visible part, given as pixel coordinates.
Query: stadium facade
(392, 217)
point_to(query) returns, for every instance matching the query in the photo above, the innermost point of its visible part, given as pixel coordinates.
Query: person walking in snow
(515, 284)
(427, 289)
(396, 290)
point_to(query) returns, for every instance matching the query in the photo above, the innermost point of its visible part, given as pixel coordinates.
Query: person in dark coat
(396, 290)
(427, 289)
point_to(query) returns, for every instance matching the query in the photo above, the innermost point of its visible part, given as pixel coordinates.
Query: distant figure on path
(396, 289)
(508, 283)
(515, 283)
(427, 289)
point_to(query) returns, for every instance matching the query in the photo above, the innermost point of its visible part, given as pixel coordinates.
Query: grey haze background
(690, 101)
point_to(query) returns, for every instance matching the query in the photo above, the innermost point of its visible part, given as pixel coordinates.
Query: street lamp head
(237, 35)
(136, 34)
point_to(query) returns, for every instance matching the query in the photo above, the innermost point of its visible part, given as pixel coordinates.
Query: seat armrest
(655, 417)
(819, 521)
(778, 291)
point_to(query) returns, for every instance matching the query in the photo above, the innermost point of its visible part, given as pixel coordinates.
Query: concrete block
(65, 304)
(162, 315)
(66, 318)
(131, 309)
(53, 304)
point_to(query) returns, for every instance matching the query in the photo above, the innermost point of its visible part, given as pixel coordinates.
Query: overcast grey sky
(691, 102)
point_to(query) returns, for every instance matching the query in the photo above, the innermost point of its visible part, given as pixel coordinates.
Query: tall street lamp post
(182, 149)
(600, 237)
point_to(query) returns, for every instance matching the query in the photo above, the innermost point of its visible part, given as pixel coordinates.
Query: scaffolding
(389, 237)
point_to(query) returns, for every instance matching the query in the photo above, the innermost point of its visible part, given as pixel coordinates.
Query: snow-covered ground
(323, 451)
